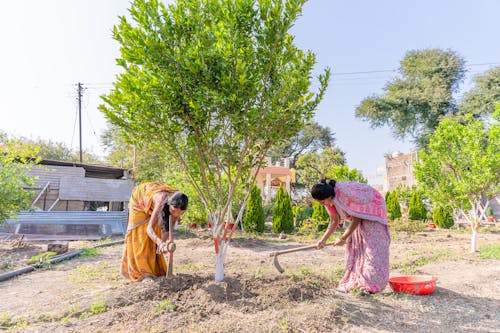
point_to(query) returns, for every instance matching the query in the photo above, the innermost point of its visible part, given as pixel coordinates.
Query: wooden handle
(302, 248)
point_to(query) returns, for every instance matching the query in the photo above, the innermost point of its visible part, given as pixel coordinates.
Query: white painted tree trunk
(219, 261)
(473, 241)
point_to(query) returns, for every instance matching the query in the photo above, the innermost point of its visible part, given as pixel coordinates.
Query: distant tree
(282, 212)
(254, 220)
(16, 159)
(480, 100)
(214, 84)
(417, 209)
(342, 173)
(49, 150)
(413, 104)
(460, 168)
(313, 137)
(147, 161)
(314, 165)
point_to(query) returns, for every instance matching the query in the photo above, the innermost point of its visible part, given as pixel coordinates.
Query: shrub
(319, 212)
(409, 226)
(417, 210)
(393, 207)
(254, 220)
(282, 212)
(301, 213)
(442, 217)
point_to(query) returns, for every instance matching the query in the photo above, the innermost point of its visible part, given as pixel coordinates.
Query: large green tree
(460, 168)
(413, 103)
(16, 159)
(213, 83)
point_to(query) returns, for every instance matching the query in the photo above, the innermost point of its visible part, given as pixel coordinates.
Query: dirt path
(89, 295)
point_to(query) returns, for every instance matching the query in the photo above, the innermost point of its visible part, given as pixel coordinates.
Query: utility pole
(80, 88)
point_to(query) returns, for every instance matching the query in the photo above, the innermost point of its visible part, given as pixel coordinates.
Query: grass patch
(88, 252)
(411, 265)
(301, 273)
(489, 251)
(7, 321)
(91, 273)
(335, 273)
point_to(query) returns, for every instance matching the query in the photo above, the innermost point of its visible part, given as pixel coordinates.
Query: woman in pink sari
(366, 238)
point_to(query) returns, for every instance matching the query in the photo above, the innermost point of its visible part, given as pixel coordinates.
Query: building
(270, 178)
(73, 186)
(399, 170)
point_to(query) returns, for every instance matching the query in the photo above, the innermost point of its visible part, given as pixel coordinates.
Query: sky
(50, 46)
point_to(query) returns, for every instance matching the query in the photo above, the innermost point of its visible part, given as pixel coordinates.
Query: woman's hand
(162, 248)
(320, 245)
(339, 242)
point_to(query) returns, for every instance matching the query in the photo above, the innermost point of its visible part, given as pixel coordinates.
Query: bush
(310, 226)
(319, 212)
(409, 226)
(393, 207)
(301, 213)
(282, 212)
(442, 218)
(417, 210)
(254, 220)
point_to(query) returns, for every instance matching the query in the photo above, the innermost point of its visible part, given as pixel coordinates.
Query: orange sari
(140, 259)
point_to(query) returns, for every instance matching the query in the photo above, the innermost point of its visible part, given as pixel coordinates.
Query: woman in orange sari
(150, 207)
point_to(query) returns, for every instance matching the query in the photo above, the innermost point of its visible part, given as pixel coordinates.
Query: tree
(480, 101)
(417, 210)
(254, 220)
(282, 212)
(460, 168)
(214, 84)
(16, 160)
(342, 173)
(56, 151)
(413, 104)
(313, 137)
(315, 165)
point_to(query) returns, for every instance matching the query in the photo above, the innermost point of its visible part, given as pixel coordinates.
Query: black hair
(177, 200)
(324, 189)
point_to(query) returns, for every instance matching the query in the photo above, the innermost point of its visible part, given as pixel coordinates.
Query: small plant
(95, 308)
(259, 273)
(283, 326)
(43, 257)
(166, 306)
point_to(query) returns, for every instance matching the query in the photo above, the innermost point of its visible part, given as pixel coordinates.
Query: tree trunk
(219, 261)
(473, 241)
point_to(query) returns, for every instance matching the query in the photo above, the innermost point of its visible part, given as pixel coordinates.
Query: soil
(87, 294)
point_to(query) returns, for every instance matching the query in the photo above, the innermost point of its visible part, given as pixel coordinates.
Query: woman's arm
(355, 221)
(332, 226)
(153, 220)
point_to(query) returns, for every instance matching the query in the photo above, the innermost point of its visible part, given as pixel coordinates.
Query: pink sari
(367, 249)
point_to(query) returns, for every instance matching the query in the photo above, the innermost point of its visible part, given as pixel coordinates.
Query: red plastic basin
(413, 284)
